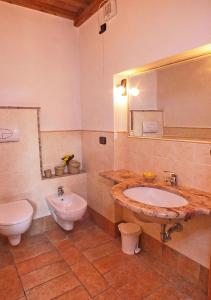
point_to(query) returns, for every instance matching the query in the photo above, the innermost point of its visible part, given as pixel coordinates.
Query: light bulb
(134, 91)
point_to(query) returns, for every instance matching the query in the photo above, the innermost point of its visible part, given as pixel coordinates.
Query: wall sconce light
(134, 91)
(123, 86)
(120, 92)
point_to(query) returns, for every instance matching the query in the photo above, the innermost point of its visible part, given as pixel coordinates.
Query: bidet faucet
(171, 178)
(60, 191)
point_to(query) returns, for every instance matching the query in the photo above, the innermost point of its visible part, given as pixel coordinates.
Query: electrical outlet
(102, 140)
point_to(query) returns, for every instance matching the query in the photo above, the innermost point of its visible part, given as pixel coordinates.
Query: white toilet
(66, 209)
(15, 219)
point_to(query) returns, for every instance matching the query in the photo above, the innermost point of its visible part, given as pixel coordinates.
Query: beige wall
(20, 165)
(191, 161)
(55, 144)
(98, 158)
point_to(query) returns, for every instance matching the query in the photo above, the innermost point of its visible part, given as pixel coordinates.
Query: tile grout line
(181, 279)
(162, 275)
(82, 284)
(101, 275)
(41, 268)
(69, 267)
(36, 269)
(66, 292)
(24, 293)
(51, 278)
(88, 262)
(48, 280)
(14, 263)
(17, 262)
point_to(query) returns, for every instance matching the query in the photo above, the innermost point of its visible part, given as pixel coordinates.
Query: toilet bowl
(15, 219)
(67, 209)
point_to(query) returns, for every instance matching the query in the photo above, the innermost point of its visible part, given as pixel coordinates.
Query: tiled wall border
(175, 139)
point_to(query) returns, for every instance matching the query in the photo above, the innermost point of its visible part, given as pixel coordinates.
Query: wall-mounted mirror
(172, 101)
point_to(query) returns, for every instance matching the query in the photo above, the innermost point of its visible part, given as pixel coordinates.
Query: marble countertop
(119, 175)
(199, 202)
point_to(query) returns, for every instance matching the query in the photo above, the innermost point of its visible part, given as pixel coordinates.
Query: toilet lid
(15, 212)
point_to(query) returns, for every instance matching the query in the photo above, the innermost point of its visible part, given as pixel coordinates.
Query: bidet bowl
(67, 209)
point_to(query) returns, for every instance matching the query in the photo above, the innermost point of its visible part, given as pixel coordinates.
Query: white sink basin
(155, 197)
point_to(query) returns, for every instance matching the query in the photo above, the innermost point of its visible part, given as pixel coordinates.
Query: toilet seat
(15, 212)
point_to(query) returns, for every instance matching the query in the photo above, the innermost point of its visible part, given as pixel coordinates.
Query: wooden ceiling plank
(63, 4)
(78, 3)
(77, 10)
(87, 12)
(44, 7)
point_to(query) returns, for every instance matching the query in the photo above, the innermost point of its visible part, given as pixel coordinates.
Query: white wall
(143, 32)
(39, 61)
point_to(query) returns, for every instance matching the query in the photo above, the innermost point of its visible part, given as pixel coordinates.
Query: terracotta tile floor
(85, 264)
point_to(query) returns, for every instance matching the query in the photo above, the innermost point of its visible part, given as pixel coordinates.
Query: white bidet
(67, 209)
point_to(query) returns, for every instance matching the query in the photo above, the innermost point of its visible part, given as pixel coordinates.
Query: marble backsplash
(191, 161)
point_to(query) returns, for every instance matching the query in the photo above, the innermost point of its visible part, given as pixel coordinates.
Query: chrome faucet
(171, 178)
(60, 191)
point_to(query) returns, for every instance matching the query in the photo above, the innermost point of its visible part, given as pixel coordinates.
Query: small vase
(48, 173)
(74, 167)
(59, 170)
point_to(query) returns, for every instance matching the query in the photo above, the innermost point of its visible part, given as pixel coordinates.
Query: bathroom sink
(155, 197)
(159, 202)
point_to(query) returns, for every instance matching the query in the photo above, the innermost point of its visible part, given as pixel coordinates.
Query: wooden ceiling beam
(63, 4)
(78, 3)
(87, 12)
(44, 7)
(77, 10)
